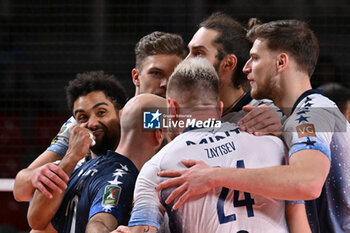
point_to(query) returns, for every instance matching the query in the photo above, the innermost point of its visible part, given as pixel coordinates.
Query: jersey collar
(242, 102)
(306, 93)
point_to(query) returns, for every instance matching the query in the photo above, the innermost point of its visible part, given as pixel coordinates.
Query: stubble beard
(266, 90)
(107, 142)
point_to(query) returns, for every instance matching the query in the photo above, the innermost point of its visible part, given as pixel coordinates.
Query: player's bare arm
(101, 223)
(135, 229)
(260, 120)
(301, 180)
(42, 209)
(297, 219)
(48, 229)
(40, 174)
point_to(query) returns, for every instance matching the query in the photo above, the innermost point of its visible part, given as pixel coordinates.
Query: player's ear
(120, 111)
(158, 137)
(221, 108)
(135, 77)
(282, 62)
(229, 62)
(173, 108)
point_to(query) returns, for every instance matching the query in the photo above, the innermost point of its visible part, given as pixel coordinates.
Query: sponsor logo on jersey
(151, 120)
(306, 130)
(54, 140)
(111, 195)
(63, 128)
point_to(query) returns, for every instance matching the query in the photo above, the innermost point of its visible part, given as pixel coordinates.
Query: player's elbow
(36, 222)
(309, 190)
(35, 225)
(19, 196)
(16, 192)
(20, 187)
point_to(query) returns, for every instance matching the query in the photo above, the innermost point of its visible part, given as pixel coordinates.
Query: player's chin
(99, 140)
(253, 92)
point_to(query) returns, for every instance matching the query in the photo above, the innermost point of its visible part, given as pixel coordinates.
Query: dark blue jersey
(104, 184)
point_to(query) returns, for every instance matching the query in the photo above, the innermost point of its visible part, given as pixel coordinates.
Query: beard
(109, 141)
(266, 89)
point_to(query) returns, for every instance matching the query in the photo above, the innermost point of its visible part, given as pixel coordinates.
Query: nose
(247, 69)
(164, 82)
(92, 123)
(189, 55)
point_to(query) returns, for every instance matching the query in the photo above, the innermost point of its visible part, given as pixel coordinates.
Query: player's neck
(291, 89)
(137, 154)
(137, 91)
(203, 113)
(230, 98)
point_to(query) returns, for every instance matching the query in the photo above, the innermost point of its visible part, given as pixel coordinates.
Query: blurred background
(43, 44)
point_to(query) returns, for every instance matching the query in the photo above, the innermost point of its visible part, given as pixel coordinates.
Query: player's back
(224, 210)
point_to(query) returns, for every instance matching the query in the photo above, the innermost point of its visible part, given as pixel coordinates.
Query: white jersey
(60, 143)
(220, 210)
(237, 112)
(316, 123)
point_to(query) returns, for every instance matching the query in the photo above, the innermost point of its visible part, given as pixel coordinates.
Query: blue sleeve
(58, 147)
(145, 215)
(114, 196)
(294, 202)
(315, 143)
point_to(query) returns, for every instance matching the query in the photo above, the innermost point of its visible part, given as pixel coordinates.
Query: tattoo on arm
(146, 230)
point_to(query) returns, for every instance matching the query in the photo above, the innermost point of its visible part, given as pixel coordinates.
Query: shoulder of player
(273, 139)
(114, 163)
(315, 100)
(255, 102)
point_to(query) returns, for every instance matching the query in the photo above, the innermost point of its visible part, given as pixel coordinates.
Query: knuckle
(262, 124)
(51, 176)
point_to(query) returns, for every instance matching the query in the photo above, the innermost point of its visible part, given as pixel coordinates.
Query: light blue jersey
(316, 123)
(60, 143)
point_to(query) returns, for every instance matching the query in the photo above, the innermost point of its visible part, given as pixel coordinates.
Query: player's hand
(122, 229)
(260, 121)
(80, 141)
(190, 182)
(49, 176)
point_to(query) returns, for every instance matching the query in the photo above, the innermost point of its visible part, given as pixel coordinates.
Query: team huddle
(277, 162)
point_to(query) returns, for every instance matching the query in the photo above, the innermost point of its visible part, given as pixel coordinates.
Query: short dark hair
(230, 40)
(291, 36)
(157, 43)
(85, 83)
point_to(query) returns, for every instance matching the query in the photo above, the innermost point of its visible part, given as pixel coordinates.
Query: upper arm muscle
(102, 221)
